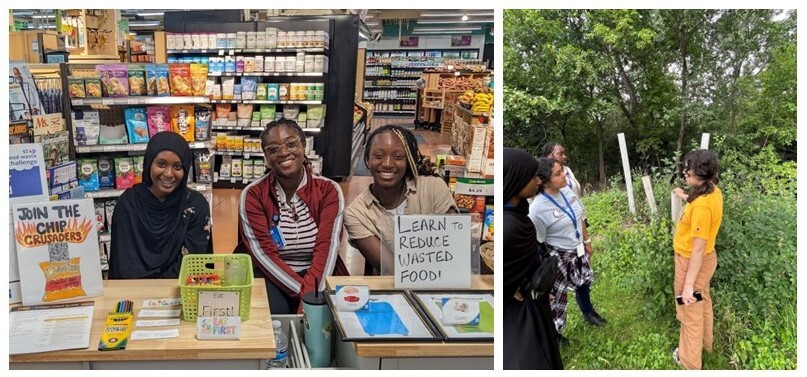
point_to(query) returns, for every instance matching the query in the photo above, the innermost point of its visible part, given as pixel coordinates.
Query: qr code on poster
(58, 251)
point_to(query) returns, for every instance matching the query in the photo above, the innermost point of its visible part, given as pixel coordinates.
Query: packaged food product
(113, 134)
(244, 111)
(216, 94)
(249, 64)
(229, 64)
(258, 63)
(260, 91)
(227, 87)
(249, 87)
(181, 84)
(248, 168)
(151, 79)
(226, 164)
(221, 141)
(198, 79)
(109, 209)
(223, 110)
(283, 92)
(100, 217)
(88, 174)
(137, 165)
(158, 119)
(235, 168)
(239, 64)
(203, 118)
(291, 111)
(77, 87)
(106, 172)
(238, 143)
(136, 124)
(117, 80)
(269, 64)
(182, 121)
(204, 167)
(137, 80)
(93, 86)
(124, 173)
(237, 92)
(272, 92)
(259, 168)
(163, 88)
(268, 112)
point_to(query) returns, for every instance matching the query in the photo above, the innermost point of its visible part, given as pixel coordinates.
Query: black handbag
(543, 279)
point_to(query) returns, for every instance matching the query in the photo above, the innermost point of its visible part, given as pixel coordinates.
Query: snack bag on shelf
(137, 166)
(180, 75)
(77, 87)
(158, 119)
(88, 174)
(163, 88)
(137, 80)
(151, 79)
(136, 124)
(203, 118)
(182, 121)
(106, 173)
(124, 173)
(198, 79)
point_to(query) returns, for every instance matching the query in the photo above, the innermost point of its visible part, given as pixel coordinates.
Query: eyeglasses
(274, 149)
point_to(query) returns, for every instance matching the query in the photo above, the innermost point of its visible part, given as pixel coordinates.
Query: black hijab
(148, 235)
(521, 248)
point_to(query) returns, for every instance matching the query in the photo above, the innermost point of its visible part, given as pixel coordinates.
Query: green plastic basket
(193, 264)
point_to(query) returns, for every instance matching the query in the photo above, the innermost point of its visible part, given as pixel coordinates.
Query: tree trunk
(682, 51)
(601, 152)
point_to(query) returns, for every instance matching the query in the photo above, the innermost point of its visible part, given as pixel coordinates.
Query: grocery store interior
(91, 86)
(406, 67)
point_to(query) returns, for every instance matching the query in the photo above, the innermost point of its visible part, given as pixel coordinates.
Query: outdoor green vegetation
(663, 77)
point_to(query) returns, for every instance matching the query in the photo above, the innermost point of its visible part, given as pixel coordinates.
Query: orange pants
(697, 320)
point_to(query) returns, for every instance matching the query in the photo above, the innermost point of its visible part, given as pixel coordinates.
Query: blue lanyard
(569, 213)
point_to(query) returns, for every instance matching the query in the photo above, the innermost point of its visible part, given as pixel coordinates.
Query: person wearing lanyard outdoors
(557, 152)
(557, 214)
(695, 257)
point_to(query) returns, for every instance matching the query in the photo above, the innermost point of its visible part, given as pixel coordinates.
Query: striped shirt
(300, 234)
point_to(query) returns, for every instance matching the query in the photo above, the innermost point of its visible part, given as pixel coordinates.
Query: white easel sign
(432, 251)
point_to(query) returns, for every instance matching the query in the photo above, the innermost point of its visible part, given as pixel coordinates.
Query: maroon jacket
(257, 206)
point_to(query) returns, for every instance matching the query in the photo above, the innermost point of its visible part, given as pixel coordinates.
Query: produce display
(461, 83)
(480, 102)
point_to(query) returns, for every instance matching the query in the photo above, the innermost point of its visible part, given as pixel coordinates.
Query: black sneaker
(594, 319)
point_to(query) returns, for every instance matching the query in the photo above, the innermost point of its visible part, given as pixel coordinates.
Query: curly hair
(545, 165)
(416, 163)
(703, 164)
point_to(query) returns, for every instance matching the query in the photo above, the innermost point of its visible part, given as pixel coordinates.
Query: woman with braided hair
(403, 184)
(290, 221)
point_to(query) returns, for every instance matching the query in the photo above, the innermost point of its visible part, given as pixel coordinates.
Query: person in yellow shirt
(695, 257)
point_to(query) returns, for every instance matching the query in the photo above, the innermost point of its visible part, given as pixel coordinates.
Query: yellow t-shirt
(700, 219)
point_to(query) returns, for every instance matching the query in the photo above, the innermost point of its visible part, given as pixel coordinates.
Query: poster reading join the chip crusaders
(57, 250)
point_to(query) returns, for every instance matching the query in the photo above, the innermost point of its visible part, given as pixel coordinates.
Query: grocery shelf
(168, 100)
(235, 179)
(275, 74)
(239, 153)
(236, 128)
(230, 51)
(114, 193)
(379, 112)
(394, 77)
(131, 147)
(264, 102)
(389, 87)
(390, 99)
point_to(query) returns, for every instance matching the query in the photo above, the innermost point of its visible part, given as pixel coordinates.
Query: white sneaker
(676, 358)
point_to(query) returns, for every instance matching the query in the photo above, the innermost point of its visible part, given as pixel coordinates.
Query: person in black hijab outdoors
(530, 338)
(160, 220)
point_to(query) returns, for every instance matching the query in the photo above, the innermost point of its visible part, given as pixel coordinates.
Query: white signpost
(648, 192)
(432, 251)
(626, 170)
(705, 141)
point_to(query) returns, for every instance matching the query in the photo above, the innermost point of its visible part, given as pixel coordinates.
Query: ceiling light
(454, 14)
(465, 17)
(424, 22)
(151, 14)
(147, 23)
(446, 28)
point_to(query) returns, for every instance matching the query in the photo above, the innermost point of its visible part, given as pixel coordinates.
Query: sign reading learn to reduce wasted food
(432, 251)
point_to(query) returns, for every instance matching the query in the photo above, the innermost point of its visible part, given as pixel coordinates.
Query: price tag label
(232, 180)
(107, 101)
(203, 51)
(109, 148)
(200, 187)
(232, 52)
(133, 101)
(82, 149)
(474, 186)
(199, 144)
(221, 52)
(246, 155)
(245, 181)
(184, 51)
(78, 102)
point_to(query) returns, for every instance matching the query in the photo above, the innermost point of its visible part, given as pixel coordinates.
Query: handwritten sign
(218, 303)
(57, 250)
(49, 124)
(432, 251)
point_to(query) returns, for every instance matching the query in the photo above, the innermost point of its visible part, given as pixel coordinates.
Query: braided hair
(703, 164)
(290, 124)
(416, 163)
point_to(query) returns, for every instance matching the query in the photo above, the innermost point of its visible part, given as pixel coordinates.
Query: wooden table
(257, 343)
(411, 355)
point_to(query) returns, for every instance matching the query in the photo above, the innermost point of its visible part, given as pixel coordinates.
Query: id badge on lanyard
(581, 249)
(276, 233)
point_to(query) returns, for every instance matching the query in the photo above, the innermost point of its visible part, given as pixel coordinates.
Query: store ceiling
(436, 20)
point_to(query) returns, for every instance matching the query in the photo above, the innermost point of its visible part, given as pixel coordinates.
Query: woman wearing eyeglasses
(695, 257)
(290, 221)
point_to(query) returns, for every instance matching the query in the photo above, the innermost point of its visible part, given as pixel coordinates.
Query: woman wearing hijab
(401, 186)
(160, 220)
(290, 221)
(530, 339)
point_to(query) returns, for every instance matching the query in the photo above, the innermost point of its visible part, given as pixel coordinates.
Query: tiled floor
(225, 205)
